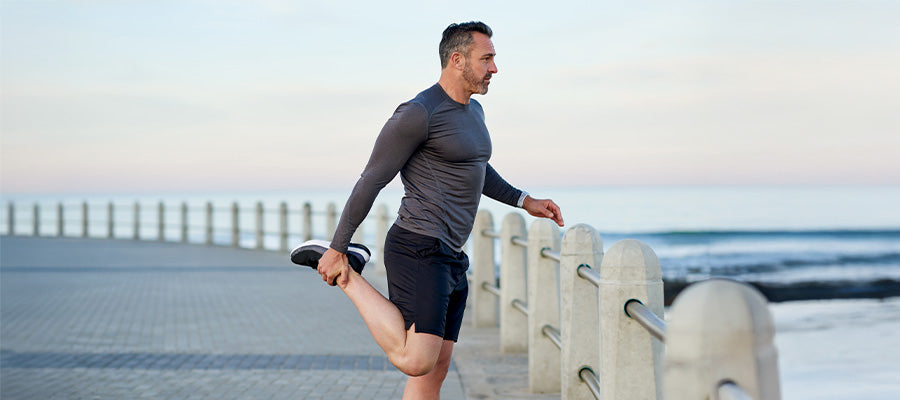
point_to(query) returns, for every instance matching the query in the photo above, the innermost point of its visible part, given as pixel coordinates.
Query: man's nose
(492, 68)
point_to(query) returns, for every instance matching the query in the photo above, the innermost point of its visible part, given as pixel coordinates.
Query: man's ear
(457, 60)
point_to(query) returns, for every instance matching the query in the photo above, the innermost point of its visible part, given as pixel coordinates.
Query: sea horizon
(576, 200)
(824, 239)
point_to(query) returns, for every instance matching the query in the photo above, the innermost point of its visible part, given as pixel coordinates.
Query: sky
(202, 95)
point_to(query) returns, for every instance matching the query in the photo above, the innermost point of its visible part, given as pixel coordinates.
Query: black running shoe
(309, 252)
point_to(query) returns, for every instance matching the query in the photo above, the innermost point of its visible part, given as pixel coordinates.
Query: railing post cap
(631, 257)
(580, 232)
(721, 330)
(579, 238)
(542, 227)
(513, 218)
(721, 305)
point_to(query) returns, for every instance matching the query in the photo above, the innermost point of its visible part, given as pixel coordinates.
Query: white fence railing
(181, 222)
(597, 331)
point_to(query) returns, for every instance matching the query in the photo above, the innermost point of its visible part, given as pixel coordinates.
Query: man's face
(479, 64)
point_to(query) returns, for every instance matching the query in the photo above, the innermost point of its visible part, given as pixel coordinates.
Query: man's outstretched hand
(334, 268)
(543, 208)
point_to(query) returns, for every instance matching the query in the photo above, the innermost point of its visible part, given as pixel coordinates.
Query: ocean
(791, 242)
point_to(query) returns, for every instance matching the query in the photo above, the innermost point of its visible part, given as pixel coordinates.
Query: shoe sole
(312, 250)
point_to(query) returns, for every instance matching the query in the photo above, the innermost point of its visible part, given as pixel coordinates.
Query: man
(439, 144)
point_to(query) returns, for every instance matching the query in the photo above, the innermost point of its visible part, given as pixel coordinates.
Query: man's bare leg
(428, 386)
(415, 354)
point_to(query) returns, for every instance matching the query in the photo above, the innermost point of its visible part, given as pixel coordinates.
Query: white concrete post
(161, 222)
(84, 219)
(513, 325)
(260, 229)
(330, 221)
(137, 221)
(720, 330)
(209, 223)
(543, 306)
(60, 221)
(11, 219)
(283, 226)
(110, 220)
(235, 225)
(307, 222)
(382, 225)
(37, 220)
(580, 313)
(184, 222)
(631, 359)
(484, 303)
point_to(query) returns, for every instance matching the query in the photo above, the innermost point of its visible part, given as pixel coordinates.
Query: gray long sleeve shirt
(441, 149)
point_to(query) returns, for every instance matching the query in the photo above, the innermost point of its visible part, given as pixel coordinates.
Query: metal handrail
(521, 306)
(585, 271)
(547, 252)
(519, 241)
(493, 289)
(491, 234)
(587, 375)
(731, 391)
(553, 334)
(646, 318)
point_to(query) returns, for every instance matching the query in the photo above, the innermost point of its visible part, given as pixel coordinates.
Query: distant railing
(217, 223)
(596, 330)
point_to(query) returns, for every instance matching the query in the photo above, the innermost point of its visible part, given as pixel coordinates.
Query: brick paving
(116, 319)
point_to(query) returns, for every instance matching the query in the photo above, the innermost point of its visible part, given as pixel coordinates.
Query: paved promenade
(119, 319)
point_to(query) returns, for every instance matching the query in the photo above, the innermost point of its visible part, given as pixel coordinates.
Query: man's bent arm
(399, 139)
(498, 189)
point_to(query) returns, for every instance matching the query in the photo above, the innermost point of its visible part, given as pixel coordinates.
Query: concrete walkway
(119, 319)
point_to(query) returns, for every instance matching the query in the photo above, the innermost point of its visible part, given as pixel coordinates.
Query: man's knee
(416, 364)
(419, 355)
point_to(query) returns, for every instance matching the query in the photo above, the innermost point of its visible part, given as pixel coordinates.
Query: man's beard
(477, 84)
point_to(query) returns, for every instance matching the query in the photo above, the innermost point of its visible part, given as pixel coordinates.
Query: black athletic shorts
(426, 281)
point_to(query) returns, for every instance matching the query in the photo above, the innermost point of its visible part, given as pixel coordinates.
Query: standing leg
(428, 386)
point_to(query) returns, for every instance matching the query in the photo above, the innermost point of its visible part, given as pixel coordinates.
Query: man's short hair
(458, 37)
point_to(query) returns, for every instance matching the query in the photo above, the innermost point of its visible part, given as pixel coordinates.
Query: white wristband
(521, 199)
